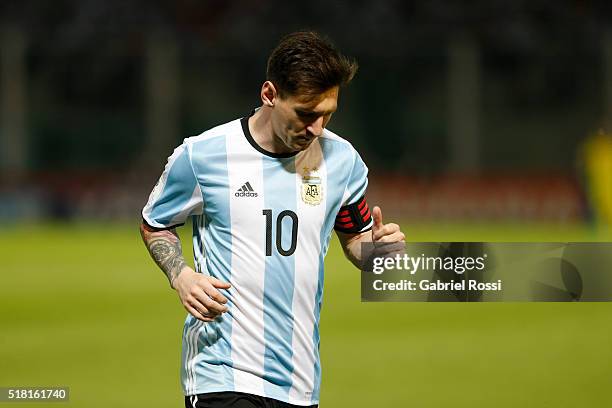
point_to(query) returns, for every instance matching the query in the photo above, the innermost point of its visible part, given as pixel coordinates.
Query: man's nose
(316, 127)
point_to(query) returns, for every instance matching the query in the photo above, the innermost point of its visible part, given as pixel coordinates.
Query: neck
(260, 125)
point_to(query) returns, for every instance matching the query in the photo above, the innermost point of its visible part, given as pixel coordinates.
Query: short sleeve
(177, 194)
(357, 182)
(354, 215)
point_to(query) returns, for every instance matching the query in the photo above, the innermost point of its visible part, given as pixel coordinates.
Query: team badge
(312, 189)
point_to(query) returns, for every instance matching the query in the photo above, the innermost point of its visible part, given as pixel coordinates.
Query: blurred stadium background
(482, 122)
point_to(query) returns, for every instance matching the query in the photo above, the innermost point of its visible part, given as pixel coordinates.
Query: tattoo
(165, 249)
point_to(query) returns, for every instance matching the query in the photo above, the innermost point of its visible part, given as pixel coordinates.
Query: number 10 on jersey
(279, 232)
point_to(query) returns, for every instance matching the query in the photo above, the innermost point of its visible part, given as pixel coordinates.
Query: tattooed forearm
(168, 256)
(165, 249)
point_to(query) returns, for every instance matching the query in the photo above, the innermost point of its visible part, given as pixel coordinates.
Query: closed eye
(307, 115)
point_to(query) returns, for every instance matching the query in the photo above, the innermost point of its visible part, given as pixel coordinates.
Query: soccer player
(264, 193)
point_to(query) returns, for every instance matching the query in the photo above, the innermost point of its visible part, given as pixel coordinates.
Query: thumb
(218, 283)
(377, 216)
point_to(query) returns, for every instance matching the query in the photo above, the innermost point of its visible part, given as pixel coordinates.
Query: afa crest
(312, 189)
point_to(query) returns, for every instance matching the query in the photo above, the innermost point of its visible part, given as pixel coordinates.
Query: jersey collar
(247, 133)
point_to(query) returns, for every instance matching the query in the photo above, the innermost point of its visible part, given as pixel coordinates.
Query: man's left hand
(385, 233)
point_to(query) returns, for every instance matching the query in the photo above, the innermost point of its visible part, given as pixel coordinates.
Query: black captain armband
(354, 217)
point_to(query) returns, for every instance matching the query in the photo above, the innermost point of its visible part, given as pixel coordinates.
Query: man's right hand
(199, 294)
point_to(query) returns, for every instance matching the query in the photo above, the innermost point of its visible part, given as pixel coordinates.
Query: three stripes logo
(246, 191)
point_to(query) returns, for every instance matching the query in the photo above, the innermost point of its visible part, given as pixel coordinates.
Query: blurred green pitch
(84, 306)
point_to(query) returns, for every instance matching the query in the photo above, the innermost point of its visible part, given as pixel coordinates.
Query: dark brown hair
(305, 63)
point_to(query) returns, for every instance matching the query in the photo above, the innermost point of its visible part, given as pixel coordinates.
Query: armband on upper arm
(354, 217)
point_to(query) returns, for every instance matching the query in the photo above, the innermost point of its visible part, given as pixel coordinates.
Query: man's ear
(268, 94)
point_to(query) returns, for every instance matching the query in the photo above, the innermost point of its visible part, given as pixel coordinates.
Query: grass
(82, 305)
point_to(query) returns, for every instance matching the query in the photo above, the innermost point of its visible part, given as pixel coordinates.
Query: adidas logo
(246, 191)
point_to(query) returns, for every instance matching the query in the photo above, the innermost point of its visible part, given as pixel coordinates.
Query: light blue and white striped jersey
(263, 223)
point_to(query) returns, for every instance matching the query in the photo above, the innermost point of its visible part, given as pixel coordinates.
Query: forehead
(326, 101)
